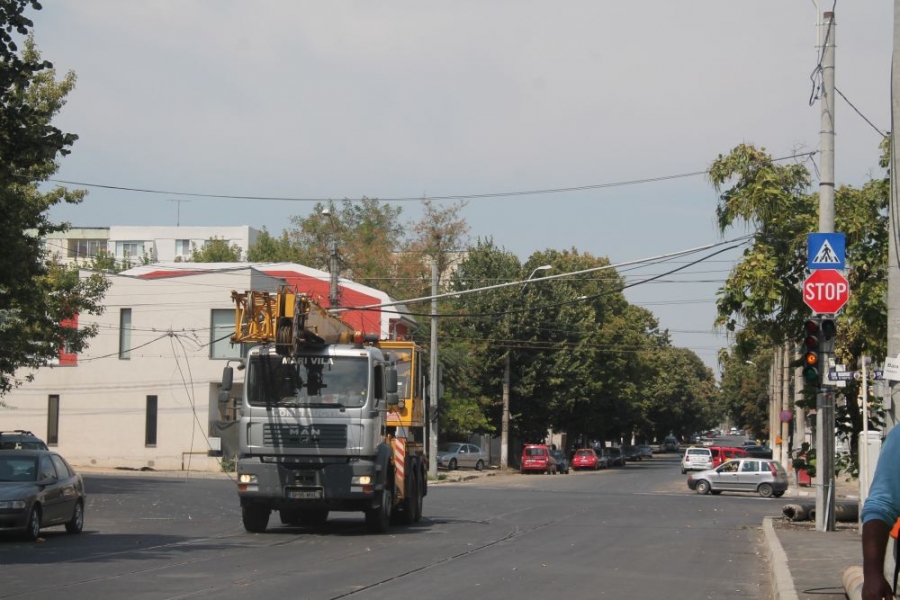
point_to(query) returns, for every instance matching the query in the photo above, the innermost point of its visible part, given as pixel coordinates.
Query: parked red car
(586, 458)
(537, 458)
(721, 454)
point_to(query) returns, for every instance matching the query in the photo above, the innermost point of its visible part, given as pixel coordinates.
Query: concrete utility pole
(785, 405)
(825, 398)
(433, 383)
(892, 414)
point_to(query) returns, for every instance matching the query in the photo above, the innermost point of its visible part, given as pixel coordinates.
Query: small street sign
(840, 375)
(826, 291)
(825, 251)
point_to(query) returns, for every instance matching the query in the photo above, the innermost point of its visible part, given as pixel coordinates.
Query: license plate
(304, 494)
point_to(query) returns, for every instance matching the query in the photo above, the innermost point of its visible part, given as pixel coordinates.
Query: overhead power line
(536, 192)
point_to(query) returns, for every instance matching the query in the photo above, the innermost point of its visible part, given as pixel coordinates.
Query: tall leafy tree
(269, 248)
(39, 301)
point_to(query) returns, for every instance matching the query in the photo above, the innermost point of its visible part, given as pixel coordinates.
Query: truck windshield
(307, 381)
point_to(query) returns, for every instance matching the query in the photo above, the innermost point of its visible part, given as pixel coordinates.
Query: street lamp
(504, 428)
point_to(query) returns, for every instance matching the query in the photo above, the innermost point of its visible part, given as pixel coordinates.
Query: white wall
(103, 398)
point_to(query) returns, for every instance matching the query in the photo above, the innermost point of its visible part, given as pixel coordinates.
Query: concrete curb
(782, 583)
(122, 472)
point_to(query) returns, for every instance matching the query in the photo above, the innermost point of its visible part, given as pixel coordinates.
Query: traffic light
(829, 332)
(812, 358)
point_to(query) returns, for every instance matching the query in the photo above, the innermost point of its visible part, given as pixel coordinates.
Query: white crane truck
(331, 419)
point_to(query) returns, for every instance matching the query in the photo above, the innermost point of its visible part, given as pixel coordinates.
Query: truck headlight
(247, 478)
(361, 480)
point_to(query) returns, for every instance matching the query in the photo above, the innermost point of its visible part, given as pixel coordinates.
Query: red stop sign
(826, 291)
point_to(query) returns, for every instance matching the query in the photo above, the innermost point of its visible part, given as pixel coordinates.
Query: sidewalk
(809, 564)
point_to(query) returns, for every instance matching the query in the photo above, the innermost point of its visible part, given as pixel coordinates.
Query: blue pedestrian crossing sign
(825, 251)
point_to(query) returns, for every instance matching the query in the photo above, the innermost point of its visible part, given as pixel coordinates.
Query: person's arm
(874, 541)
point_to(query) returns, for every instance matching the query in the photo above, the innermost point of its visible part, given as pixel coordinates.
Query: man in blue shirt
(880, 512)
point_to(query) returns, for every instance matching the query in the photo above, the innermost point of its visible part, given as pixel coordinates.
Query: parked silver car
(762, 476)
(455, 455)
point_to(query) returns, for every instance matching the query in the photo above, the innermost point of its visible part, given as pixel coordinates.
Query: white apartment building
(139, 244)
(145, 393)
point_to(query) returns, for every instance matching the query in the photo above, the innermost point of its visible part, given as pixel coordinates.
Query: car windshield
(307, 381)
(18, 468)
(449, 448)
(535, 452)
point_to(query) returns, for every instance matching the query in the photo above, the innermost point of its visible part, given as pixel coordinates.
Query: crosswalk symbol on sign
(825, 251)
(826, 255)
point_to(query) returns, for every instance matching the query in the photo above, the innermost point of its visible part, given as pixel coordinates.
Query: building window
(124, 333)
(150, 426)
(129, 250)
(52, 420)
(221, 329)
(183, 248)
(85, 248)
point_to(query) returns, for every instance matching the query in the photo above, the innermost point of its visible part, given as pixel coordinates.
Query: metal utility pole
(825, 397)
(433, 379)
(892, 414)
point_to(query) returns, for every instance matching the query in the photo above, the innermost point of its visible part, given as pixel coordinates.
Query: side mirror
(47, 481)
(227, 379)
(392, 399)
(390, 381)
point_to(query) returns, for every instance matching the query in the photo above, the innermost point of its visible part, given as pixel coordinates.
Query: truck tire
(378, 519)
(255, 518)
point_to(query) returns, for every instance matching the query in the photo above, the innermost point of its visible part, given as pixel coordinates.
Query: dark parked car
(646, 451)
(631, 453)
(757, 451)
(615, 456)
(20, 439)
(39, 489)
(562, 461)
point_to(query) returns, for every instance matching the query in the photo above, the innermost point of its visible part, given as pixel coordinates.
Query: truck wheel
(255, 517)
(412, 504)
(420, 499)
(378, 519)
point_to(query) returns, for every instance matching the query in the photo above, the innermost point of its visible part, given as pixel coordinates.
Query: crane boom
(286, 319)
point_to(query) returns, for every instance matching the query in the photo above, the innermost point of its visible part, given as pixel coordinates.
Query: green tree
(269, 248)
(216, 250)
(761, 299)
(38, 301)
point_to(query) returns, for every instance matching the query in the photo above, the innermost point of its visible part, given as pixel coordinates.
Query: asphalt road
(625, 533)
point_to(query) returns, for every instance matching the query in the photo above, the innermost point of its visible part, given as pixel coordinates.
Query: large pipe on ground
(845, 512)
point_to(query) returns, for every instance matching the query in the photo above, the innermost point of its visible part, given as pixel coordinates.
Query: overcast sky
(321, 100)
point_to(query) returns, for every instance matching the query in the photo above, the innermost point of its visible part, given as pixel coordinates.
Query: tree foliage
(39, 301)
(761, 300)
(216, 250)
